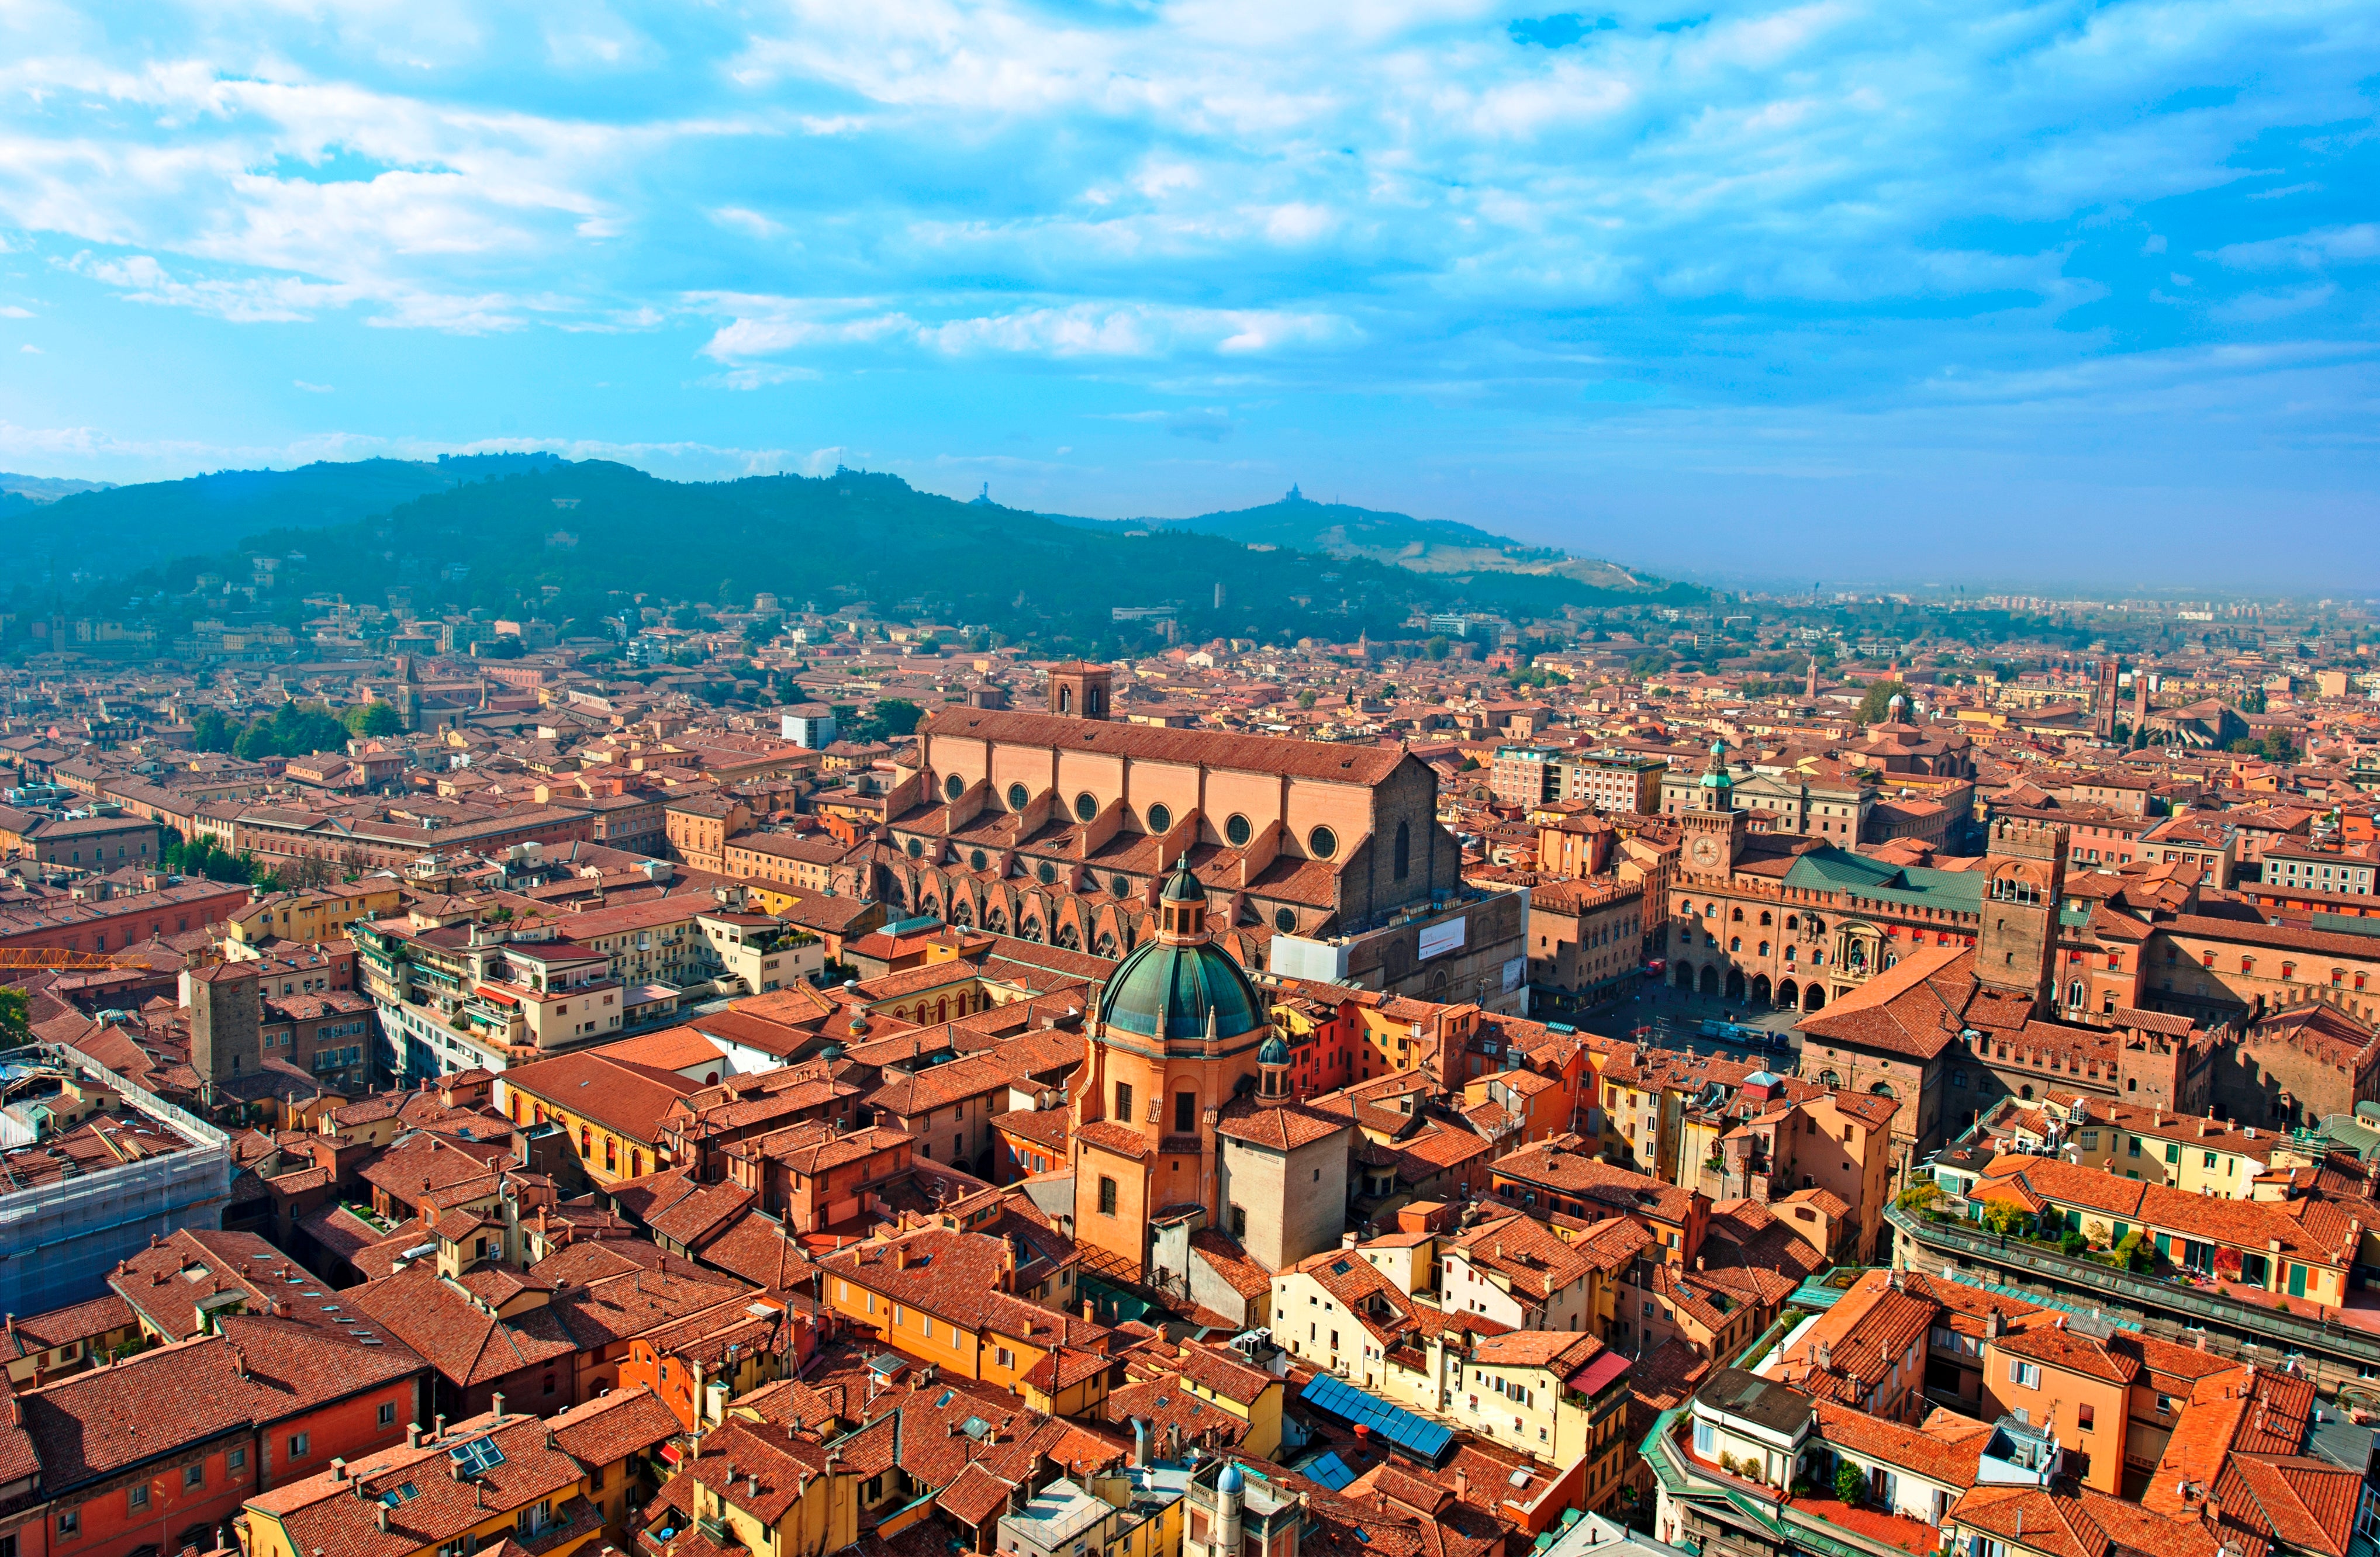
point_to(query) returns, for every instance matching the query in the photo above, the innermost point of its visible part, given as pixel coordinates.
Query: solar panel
(1330, 1472)
(1416, 1435)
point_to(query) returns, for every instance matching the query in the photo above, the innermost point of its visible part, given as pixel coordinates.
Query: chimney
(339, 1468)
(438, 1427)
(380, 1517)
(413, 1435)
(1461, 1487)
(496, 1404)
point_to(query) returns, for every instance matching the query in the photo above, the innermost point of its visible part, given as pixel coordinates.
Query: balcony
(2254, 1322)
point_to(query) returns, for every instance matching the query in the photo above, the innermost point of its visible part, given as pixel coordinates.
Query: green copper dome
(1275, 1051)
(1163, 991)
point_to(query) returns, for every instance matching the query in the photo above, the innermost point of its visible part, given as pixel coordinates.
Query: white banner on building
(1442, 937)
(1515, 970)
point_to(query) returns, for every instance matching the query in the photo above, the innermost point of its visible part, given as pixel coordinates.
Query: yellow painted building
(320, 915)
(772, 1492)
(1253, 1397)
(2179, 1151)
(948, 1298)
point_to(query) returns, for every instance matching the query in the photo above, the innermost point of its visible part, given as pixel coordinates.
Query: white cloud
(2353, 244)
(312, 389)
(30, 351)
(750, 223)
(13, 311)
(1788, 203)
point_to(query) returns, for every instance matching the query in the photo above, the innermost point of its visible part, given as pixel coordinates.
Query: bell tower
(1080, 690)
(2024, 876)
(1712, 828)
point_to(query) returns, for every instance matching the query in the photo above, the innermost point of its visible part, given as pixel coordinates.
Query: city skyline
(2053, 297)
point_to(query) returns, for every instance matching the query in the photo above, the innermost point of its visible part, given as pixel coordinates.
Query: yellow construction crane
(50, 959)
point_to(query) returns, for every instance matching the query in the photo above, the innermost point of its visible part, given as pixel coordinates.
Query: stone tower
(226, 1010)
(1713, 828)
(2024, 871)
(1080, 690)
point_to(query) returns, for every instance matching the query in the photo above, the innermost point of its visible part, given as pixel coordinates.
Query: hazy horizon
(2063, 296)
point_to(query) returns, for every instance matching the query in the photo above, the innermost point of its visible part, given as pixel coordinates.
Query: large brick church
(1063, 826)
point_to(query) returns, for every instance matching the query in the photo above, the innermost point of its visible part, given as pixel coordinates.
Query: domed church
(1179, 1034)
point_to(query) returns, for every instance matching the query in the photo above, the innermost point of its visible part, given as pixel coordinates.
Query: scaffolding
(59, 1240)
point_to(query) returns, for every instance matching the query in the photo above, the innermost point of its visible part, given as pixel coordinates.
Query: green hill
(576, 542)
(150, 521)
(1426, 546)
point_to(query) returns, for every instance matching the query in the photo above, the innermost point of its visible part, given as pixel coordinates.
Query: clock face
(1705, 852)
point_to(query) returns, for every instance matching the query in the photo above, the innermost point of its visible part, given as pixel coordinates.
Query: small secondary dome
(1274, 1052)
(1231, 1480)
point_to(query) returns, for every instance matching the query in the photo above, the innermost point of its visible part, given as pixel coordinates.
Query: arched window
(1017, 797)
(1086, 806)
(1160, 818)
(1403, 850)
(1763, 916)
(954, 786)
(1737, 916)
(1763, 948)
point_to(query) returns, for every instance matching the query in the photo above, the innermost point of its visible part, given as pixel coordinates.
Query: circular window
(954, 786)
(1087, 805)
(916, 849)
(975, 860)
(1237, 830)
(1161, 820)
(1284, 921)
(1121, 886)
(1322, 843)
(1017, 796)
(1048, 873)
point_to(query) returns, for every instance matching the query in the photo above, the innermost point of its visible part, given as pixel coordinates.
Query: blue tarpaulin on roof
(1416, 1435)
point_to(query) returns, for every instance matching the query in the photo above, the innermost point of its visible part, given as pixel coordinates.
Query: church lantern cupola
(1272, 1070)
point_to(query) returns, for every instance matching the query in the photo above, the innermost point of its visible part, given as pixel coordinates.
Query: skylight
(477, 1457)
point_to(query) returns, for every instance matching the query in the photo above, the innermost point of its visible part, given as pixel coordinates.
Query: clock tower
(1712, 828)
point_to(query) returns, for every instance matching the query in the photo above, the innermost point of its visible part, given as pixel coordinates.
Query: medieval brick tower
(225, 1011)
(2024, 870)
(1079, 690)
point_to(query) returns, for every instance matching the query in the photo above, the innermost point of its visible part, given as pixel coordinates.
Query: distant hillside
(147, 523)
(1424, 546)
(46, 488)
(576, 542)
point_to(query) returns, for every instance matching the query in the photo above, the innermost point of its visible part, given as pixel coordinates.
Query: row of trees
(293, 729)
(201, 857)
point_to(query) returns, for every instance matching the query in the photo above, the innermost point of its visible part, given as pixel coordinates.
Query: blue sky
(1835, 290)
